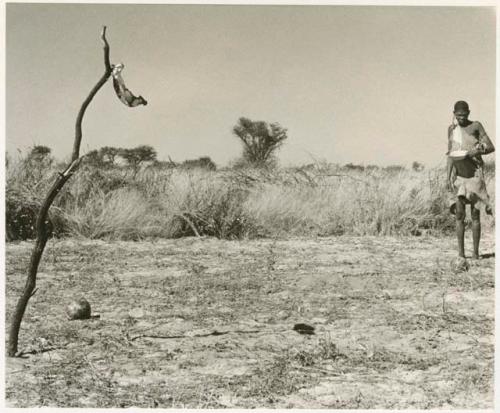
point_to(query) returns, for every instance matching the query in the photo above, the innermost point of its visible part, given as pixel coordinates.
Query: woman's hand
(474, 152)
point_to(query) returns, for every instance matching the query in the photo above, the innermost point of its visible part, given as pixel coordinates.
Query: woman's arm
(485, 141)
(450, 134)
(449, 161)
(449, 173)
(485, 146)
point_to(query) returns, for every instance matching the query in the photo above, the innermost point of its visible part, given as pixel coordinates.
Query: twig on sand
(16, 371)
(213, 333)
(44, 350)
(319, 370)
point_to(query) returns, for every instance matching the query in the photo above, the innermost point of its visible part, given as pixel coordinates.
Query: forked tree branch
(42, 227)
(107, 73)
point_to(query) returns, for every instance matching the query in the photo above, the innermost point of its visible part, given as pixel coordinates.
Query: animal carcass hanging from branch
(125, 95)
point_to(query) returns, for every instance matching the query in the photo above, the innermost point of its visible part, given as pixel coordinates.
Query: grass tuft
(117, 203)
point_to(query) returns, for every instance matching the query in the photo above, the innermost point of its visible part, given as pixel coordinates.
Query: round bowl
(457, 155)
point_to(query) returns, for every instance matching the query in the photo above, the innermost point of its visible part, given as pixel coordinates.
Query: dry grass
(242, 203)
(207, 323)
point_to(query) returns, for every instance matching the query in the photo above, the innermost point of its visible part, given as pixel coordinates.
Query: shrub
(27, 181)
(202, 203)
(201, 163)
(260, 140)
(161, 201)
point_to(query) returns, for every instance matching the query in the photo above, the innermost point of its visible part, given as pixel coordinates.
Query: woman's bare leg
(476, 230)
(460, 226)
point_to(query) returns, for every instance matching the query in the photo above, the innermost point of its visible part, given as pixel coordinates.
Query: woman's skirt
(471, 191)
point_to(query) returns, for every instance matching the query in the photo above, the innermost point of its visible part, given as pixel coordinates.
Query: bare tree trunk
(42, 229)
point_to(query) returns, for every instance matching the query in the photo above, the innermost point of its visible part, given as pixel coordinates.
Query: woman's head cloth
(461, 105)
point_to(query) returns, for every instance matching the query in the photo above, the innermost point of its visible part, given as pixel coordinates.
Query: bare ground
(208, 323)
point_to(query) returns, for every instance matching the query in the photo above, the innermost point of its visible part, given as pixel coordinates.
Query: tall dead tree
(42, 225)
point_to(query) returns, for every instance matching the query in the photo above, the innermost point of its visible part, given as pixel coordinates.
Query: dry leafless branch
(42, 224)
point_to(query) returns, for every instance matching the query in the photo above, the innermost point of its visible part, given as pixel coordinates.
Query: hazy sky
(350, 83)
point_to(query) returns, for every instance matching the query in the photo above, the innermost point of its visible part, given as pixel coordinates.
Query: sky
(361, 84)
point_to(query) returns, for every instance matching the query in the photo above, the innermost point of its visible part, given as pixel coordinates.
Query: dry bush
(27, 182)
(319, 200)
(358, 203)
(201, 203)
(120, 213)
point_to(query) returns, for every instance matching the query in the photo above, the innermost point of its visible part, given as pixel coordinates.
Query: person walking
(467, 142)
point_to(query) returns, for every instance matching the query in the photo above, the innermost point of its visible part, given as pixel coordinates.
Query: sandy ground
(208, 323)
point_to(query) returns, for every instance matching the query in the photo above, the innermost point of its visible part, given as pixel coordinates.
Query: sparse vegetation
(393, 330)
(192, 198)
(137, 156)
(207, 323)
